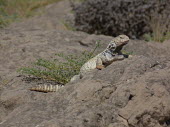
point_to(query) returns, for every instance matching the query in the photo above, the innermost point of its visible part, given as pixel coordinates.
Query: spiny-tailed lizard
(110, 54)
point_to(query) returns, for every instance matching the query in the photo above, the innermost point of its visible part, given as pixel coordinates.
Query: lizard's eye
(112, 47)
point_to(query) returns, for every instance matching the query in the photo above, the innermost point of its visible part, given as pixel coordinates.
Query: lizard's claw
(100, 67)
(130, 56)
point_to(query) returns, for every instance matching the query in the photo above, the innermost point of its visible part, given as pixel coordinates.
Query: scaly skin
(110, 54)
(46, 88)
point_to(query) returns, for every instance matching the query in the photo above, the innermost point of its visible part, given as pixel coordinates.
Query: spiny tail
(46, 88)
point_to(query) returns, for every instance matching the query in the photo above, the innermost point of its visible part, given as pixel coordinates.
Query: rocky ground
(134, 92)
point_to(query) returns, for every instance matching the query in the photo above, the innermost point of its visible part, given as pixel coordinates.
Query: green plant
(55, 70)
(157, 36)
(161, 29)
(130, 17)
(160, 25)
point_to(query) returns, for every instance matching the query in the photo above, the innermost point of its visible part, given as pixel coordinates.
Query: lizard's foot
(127, 56)
(100, 67)
(130, 56)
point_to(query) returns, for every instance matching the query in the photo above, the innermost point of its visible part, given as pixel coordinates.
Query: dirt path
(50, 18)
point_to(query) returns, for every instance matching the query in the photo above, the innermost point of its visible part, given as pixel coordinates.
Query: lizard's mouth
(118, 48)
(124, 43)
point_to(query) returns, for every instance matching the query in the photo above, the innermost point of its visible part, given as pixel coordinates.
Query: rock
(134, 92)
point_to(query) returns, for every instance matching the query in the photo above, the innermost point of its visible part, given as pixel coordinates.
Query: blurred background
(140, 19)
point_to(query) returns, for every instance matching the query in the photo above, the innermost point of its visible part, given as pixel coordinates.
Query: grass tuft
(55, 70)
(160, 30)
(160, 25)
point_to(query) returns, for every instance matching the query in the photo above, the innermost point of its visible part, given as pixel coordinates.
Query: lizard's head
(118, 42)
(121, 40)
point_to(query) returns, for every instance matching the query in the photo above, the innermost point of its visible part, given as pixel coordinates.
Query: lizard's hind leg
(75, 77)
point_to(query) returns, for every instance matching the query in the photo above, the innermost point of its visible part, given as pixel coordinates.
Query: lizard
(110, 54)
(46, 88)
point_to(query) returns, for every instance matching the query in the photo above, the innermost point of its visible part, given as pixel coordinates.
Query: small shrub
(60, 72)
(160, 29)
(115, 17)
(160, 26)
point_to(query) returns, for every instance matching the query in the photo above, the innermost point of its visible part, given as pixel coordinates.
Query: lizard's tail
(46, 88)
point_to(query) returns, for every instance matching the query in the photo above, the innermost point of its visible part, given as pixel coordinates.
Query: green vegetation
(133, 18)
(11, 10)
(55, 70)
(157, 37)
(160, 29)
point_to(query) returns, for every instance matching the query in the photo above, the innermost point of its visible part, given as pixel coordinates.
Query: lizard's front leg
(125, 55)
(118, 57)
(114, 58)
(99, 64)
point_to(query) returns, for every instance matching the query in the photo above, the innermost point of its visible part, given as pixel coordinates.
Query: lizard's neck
(108, 52)
(118, 49)
(113, 51)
